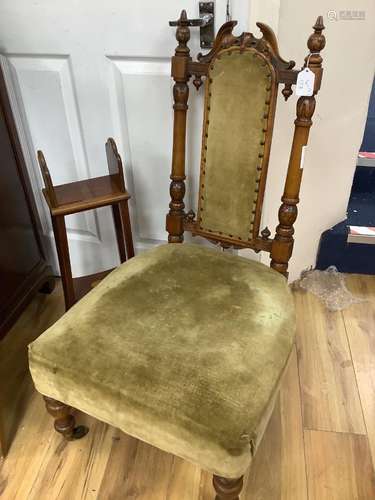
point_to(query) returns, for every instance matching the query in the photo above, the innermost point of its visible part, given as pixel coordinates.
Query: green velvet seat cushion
(182, 347)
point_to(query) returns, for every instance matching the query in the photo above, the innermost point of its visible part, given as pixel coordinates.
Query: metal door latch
(206, 23)
(207, 28)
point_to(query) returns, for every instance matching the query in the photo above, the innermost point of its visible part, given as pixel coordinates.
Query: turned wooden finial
(183, 19)
(318, 28)
(190, 215)
(182, 34)
(266, 233)
(287, 91)
(197, 82)
(316, 43)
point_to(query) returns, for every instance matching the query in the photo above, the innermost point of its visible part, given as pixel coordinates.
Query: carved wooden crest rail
(282, 72)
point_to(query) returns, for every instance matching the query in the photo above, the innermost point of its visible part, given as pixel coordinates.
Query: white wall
(339, 119)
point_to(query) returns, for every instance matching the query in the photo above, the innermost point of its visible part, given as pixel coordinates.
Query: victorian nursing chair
(184, 346)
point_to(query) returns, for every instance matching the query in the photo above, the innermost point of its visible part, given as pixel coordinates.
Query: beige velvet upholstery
(236, 117)
(182, 347)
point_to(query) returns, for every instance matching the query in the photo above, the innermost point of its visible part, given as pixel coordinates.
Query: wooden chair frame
(183, 68)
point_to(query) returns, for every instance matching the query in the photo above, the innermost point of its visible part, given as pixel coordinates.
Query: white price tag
(305, 82)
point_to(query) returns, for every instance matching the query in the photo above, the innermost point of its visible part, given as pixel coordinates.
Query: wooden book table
(84, 195)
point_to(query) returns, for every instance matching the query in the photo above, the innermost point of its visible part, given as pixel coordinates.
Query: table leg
(119, 231)
(61, 240)
(124, 209)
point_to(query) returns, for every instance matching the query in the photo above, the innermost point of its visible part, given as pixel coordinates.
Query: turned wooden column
(227, 489)
(174, 223)
(282, 245)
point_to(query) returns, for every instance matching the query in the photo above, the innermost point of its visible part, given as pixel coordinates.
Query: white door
(80, 71)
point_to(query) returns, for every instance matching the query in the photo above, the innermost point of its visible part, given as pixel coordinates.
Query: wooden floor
(320, 444)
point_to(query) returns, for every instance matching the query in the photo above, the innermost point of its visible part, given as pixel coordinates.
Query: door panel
(142, 113)
(84, 71)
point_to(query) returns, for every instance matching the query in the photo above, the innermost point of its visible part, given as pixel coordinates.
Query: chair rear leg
(64, 421)
(227, 489)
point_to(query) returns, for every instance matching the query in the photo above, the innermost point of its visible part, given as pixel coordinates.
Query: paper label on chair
(305, 82)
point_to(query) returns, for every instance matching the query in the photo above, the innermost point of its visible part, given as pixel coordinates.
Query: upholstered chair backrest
(241, 76)
(239, 109)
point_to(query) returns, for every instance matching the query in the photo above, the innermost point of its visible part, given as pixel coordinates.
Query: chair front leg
(227, 489)
(64, 420)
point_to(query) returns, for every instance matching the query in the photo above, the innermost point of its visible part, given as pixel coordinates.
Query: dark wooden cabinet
(23, 269)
